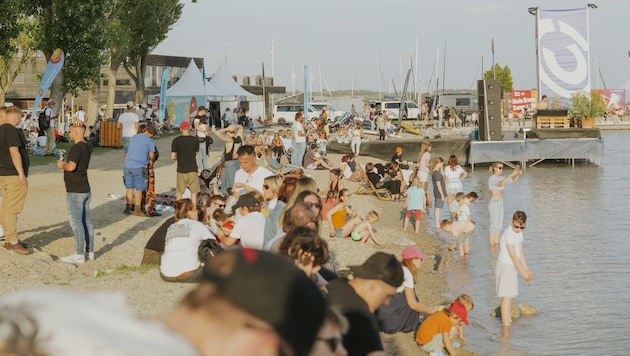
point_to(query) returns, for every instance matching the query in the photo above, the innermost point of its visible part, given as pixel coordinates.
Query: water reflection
(577, 246)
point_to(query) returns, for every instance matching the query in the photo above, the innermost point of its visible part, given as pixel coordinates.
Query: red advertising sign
(521, 99)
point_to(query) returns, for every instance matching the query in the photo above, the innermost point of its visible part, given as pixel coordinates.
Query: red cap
(460, 310)
(184, 125)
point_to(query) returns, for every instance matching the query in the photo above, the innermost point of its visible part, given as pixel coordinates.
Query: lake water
(577, 244)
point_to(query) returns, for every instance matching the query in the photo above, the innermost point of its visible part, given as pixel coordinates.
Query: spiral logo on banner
(563, 52)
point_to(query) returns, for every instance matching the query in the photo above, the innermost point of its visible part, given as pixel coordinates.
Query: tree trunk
(141, 68)
(111, 90)
(92, 104)
(3, 97)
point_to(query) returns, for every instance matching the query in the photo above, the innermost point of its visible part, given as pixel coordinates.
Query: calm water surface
(577, 244)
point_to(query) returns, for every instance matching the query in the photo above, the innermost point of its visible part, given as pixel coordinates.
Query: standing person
(357, 135)
(78, 194)
(232, 136)
(227, 118)
(50, 131)
(510, 263)
(496, 184)
(202, 131)
(148, 196)
(80, 114)
(424, 163)
(455, 174)
(415, 203)
(184, 150)
(402, 313)
(298, 148)
(141, 151)
(128, 123)
(439, 188)
(14, 164)
(380, 126)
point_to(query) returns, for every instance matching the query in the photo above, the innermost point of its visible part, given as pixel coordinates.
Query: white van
(393, 109)
(285, 113)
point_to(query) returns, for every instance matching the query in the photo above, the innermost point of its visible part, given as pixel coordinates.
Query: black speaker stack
(489, 110)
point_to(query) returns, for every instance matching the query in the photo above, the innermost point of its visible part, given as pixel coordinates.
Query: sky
(369, 44)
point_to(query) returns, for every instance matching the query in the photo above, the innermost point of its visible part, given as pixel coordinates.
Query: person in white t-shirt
(298, 148)
(80, 114)
(250, 227)
(510, 263)
(50, 131)
(180, 261)
(128, 122)
(250, 176)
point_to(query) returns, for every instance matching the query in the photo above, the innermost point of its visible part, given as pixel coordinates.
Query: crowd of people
(255, 223)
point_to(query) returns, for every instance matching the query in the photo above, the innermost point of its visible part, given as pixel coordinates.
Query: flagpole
(494, 69)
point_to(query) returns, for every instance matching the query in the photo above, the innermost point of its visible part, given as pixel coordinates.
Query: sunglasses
(311, 205)
(519, 227)
(333, 342)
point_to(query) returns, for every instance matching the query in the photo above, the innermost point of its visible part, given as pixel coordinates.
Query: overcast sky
(345, 37)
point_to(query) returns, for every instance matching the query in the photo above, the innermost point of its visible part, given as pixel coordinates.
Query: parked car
(285, 113)
(393, 109)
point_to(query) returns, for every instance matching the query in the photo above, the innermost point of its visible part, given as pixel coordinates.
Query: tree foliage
(503, 74)
(159, 20)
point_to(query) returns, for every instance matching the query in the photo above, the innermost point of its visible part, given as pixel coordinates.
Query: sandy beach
(120, 240)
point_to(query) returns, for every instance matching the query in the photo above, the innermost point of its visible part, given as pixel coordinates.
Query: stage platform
(540, 144)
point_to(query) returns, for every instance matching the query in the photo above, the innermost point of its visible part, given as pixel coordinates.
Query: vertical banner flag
(50, 73)
(163, 93)
(563, 48)
(306, 93)
(403, 101)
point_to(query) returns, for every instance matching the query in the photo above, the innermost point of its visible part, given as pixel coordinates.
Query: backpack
(43, 123)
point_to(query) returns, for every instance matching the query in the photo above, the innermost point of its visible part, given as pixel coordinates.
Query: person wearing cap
(184, 150)
(247, 302)
(434, 333)
(128, 123)
(135, 171)
(369, 286)
(180, 260)
(250, 227)
(402, 314)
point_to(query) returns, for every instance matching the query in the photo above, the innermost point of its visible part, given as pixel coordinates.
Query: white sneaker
(89, 256)
(73, 259)
(1, 233)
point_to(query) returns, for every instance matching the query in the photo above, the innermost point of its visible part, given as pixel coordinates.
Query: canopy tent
(183, 98)
(223, 88)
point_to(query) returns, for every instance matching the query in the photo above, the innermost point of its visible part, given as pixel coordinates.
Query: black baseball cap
(273, 289)
(247, 200)
(381, 266)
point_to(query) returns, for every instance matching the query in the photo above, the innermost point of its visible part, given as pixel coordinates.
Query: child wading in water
(461, 231)
(415, 203)
(510, 263)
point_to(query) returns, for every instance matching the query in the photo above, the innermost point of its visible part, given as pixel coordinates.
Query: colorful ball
(356, 236)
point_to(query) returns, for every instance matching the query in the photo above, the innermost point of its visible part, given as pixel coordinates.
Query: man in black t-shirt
(14, 164)
(370, 286)
(78, 194)
(184, 150)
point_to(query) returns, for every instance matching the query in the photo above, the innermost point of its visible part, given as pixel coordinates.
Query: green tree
(135, 28)
(503, 74)
(162, 16)
(75, 26)
(16, 44)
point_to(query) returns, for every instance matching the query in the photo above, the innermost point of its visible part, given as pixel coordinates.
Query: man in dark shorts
(184, 150)
(135, 170)
(369, 286)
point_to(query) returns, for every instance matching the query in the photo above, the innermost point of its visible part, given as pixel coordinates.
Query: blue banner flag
(163, 88)
(50, 73)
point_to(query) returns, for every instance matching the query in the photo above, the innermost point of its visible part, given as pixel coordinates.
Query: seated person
(180, 261)
(314, 160)
(155, 246)
(249, 230)
(351, 170)
(388, 181)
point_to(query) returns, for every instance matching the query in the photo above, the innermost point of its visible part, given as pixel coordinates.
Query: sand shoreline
(120, 240)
